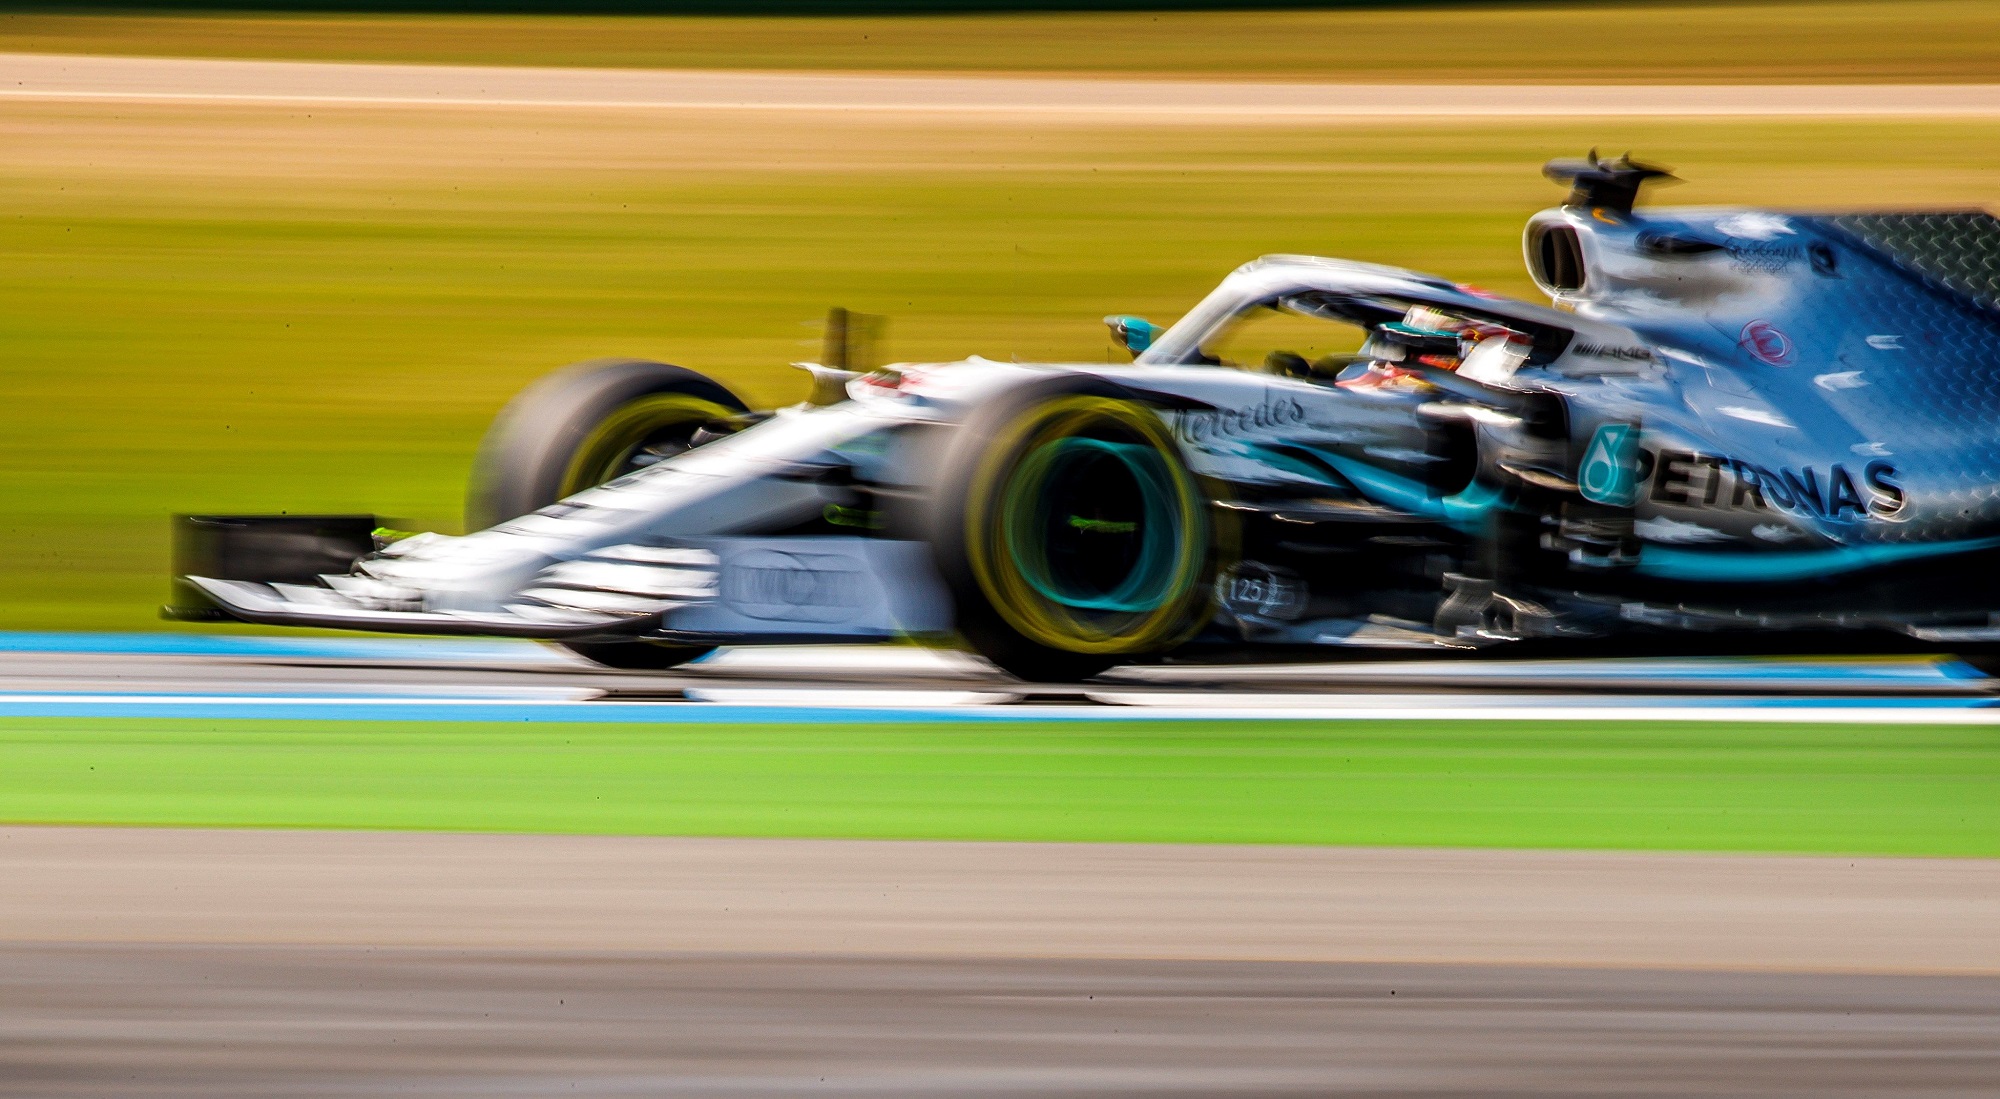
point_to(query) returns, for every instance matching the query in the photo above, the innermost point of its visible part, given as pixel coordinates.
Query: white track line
(868, 699)
(874, 660)
(820, 707)
(84, 78)
(880, 660)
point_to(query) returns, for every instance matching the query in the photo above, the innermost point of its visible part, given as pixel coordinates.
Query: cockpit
(1361, 342)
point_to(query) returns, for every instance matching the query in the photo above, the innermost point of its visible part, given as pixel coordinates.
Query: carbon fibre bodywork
(1734, 430)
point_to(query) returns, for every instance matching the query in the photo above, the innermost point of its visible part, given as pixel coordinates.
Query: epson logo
(1763, 257)
(793, 587)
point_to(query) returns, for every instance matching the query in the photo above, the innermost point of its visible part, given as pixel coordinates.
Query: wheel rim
(639, 434)
(1093, 538)
(1090, 524)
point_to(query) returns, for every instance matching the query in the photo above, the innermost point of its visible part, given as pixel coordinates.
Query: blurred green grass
(1711, 786)
(1685, 41)
(237, 309)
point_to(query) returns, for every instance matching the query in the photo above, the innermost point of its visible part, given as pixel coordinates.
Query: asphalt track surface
(167, 962)
(133, 79)
(329, 1022)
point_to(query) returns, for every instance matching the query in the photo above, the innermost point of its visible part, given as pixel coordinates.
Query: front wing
(710, 590)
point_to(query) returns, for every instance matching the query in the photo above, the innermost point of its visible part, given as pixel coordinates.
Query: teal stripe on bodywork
(1466, 511)
(1276, 458)
(1669, 563)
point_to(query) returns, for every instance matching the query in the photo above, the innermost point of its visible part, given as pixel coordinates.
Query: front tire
(1070, 532)
(584, 425)
(637, 656)
(580, 427)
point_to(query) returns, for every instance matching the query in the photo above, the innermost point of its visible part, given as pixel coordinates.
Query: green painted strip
(1902, 790)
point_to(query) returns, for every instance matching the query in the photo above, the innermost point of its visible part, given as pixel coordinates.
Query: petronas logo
(1610, 466)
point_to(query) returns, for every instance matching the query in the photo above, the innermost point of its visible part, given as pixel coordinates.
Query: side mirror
(829, 383)
(1134, 334)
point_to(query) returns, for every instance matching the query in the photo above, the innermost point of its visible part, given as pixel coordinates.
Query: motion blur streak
(277, 82)
(1074, 900)
(195, 1021)
(245, 308)
(254, 963)
(251, 285)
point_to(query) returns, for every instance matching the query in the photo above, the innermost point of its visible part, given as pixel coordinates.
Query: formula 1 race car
(1736, 431)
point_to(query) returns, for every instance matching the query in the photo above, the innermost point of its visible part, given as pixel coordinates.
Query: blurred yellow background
(1418, 41)
(309, 308)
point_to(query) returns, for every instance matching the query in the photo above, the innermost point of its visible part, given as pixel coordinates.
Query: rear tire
(1070, 532)
(580, 427)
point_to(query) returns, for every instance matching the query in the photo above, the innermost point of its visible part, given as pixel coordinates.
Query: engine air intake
(1558, 258)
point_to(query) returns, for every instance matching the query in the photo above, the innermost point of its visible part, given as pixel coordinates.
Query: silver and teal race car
(1733, 430)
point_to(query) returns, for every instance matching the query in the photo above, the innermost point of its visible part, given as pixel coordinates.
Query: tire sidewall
(527, 456)
(996, 611)
(530, 456)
